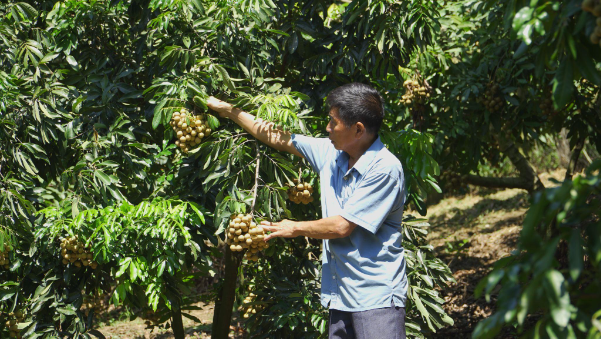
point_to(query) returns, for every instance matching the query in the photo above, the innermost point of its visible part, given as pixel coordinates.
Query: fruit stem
(256, 185)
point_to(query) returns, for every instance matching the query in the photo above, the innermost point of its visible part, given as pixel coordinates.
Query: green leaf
(225, 77)
(380, 38)
(49, 57)
(157, 118)
(102, 176)
(587, 66)
(562, 84)
(200, 103)
(293, 42)
(71, 60)
(212, 121)
(66, 311)
(558, 297)
(521, 17)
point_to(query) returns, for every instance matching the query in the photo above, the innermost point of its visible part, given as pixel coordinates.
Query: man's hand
(222, 108)
(262, 130)
(283, 229)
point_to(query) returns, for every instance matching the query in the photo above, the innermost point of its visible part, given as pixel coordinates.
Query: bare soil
(137, 329)
(470, 233)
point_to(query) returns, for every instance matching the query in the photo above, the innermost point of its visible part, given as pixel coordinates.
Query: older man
(362, 186)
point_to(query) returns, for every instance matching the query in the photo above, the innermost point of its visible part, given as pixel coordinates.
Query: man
(364, 282)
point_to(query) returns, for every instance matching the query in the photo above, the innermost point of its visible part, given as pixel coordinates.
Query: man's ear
(360, 129)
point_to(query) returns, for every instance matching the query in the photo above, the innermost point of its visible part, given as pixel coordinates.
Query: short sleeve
(373, 200)
(314, 150)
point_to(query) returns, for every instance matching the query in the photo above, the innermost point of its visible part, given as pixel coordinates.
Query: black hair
(357, 102)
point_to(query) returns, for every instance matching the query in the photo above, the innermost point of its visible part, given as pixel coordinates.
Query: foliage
(531, 52)
(425, 274)
(88, 89)
(558, 286)
(146, 254)
(287, 285)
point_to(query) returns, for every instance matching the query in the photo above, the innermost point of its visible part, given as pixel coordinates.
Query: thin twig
(255, 187)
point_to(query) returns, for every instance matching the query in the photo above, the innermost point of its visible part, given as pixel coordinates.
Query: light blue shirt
(365, 270)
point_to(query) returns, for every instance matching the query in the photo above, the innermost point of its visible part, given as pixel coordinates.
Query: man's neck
(356, 153)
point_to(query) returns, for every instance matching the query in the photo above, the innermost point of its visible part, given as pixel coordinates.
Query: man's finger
(275, 234)
(270, 228)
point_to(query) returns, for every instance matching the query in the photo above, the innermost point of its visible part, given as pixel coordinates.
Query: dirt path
(470, 233)
(136, 329)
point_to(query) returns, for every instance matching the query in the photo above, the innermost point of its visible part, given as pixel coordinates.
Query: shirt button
(333, 277)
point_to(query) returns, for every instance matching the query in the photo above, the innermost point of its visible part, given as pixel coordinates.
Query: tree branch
(527, 173)
(512, 182)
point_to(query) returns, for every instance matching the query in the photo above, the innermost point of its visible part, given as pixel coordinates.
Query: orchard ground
(470, 233)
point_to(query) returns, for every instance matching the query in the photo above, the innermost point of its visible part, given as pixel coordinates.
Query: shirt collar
(364, 161)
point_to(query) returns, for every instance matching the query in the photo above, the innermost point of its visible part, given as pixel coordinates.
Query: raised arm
(264, 131)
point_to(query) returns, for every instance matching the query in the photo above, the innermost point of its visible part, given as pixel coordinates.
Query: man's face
(341, 136)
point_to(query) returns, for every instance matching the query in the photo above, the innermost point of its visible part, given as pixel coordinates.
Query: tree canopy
(89, 90)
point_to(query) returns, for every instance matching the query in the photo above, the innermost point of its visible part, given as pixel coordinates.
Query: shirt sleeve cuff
(360, 222)
(296, 145)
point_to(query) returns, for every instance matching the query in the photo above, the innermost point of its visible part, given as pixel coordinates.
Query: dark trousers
(379, 323)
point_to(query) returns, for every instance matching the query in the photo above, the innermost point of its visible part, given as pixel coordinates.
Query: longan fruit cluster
(491, 98)
(300, 193)
(417, 92)
(593, 6)
(190, 130)
(12, 323)
(243, 233)
(74, 252)
(247, 308)
(4, 256)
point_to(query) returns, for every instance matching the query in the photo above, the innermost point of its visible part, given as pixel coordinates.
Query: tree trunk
(570, 168)
(176, 319)
(222, 314)
(563, 147)
(527, 180)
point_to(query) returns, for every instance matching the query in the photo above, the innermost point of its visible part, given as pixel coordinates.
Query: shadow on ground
(470, 233)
